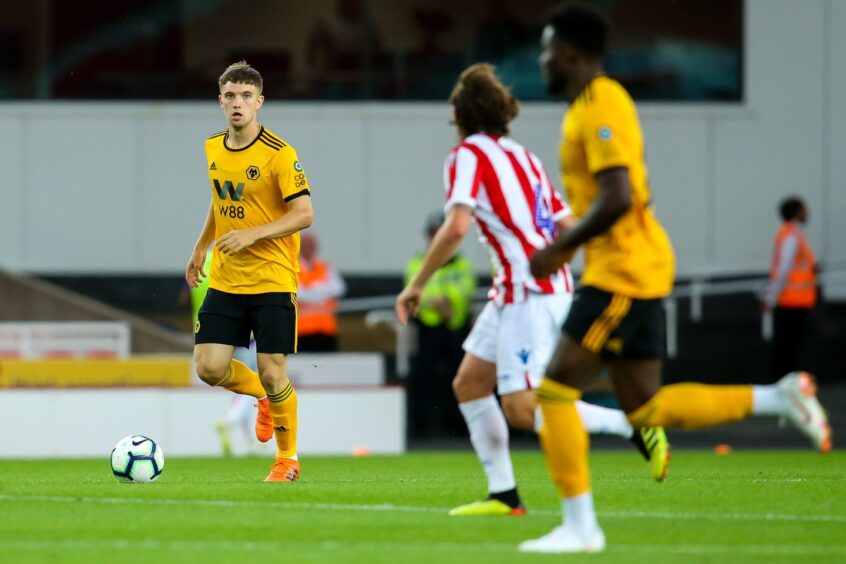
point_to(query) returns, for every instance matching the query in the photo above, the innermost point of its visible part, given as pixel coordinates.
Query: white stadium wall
(331, 421)
(122, 187)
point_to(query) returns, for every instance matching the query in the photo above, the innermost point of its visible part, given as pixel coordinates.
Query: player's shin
(489, 436)
(242, 380)
(694, 406)
(564, 439)
(283, 407)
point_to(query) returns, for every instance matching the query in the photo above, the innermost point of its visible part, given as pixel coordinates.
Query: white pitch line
(370, 546)
(686, 516)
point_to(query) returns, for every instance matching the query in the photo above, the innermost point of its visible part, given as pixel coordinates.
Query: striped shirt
(515, 209)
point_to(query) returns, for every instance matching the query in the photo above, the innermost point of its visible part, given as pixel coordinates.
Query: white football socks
(597, 420)
(489, 436)
(579, 515)
(768, 400)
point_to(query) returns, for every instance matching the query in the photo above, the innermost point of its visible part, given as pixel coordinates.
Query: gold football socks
(694, 406)
(564, 439)
(241, 380)
(283, 407)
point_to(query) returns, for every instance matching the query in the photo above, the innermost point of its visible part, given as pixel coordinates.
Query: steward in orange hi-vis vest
(316, 317)
(800, 288)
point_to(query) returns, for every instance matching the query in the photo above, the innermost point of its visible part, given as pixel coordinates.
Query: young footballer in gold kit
(260, 201)
(617, 316)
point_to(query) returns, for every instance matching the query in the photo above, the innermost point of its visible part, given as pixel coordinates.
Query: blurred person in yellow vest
(792, 292)
(320, 286)
(442, 325)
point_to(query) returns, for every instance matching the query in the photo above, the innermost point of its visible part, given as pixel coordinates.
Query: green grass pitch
(753, 506)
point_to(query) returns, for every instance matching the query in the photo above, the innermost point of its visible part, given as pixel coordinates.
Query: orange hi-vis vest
(800, 290)
(316, 318)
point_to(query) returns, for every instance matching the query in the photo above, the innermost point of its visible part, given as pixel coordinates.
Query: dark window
(350, 49)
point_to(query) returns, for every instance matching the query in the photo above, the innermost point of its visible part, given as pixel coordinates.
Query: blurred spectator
(339, 48)
(442, 325)
(320, 286)
(792, 292)
(430, 66)
(500, 34)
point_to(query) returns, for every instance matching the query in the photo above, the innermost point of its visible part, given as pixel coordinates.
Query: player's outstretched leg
(696, 406)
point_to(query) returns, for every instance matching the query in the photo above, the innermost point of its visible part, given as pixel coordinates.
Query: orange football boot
(264, 421)
(284, 470)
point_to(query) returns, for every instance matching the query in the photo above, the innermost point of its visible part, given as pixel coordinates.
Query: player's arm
(444, 245)
(614, 200)
(195, 270)
(565, 224)
(300, 214)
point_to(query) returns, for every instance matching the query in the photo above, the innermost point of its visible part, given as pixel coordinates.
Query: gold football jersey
(601, 130)
(249, 187)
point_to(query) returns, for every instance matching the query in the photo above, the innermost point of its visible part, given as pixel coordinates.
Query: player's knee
(209, 371)
(466, 388)
(458, 388)
(519, 413)
(272, 380)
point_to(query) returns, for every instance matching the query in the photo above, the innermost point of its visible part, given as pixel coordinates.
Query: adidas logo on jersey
(212, 167)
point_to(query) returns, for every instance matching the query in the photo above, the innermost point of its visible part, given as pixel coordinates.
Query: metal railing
(380, 310)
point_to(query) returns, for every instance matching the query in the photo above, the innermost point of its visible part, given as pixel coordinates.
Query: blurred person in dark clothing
(443, 324)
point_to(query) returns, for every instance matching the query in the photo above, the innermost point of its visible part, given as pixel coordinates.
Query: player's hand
(194, 271)
(408, 303)
(548, 261)
(235, 241)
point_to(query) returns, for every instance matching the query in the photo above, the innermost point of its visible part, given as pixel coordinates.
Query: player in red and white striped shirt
(495, 182)
(482, 174)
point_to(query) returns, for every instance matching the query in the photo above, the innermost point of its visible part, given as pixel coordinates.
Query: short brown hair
(482, 102)
(240, 73)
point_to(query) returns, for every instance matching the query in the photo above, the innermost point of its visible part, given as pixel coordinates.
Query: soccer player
(260, 202)
(629, 266)
(492, 179)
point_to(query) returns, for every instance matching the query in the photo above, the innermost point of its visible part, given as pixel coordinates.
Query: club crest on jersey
(297, 166)
(253, 172)
(523, 355)
(604, 133)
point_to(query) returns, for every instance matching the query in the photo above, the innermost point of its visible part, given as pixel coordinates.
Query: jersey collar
(253, 142)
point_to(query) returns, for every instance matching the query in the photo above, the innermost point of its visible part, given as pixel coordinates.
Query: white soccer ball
(137, 458)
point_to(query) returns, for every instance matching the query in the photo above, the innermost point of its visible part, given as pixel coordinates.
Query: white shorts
(519, 338)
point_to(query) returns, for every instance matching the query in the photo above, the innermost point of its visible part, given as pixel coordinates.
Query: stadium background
(105, 106)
